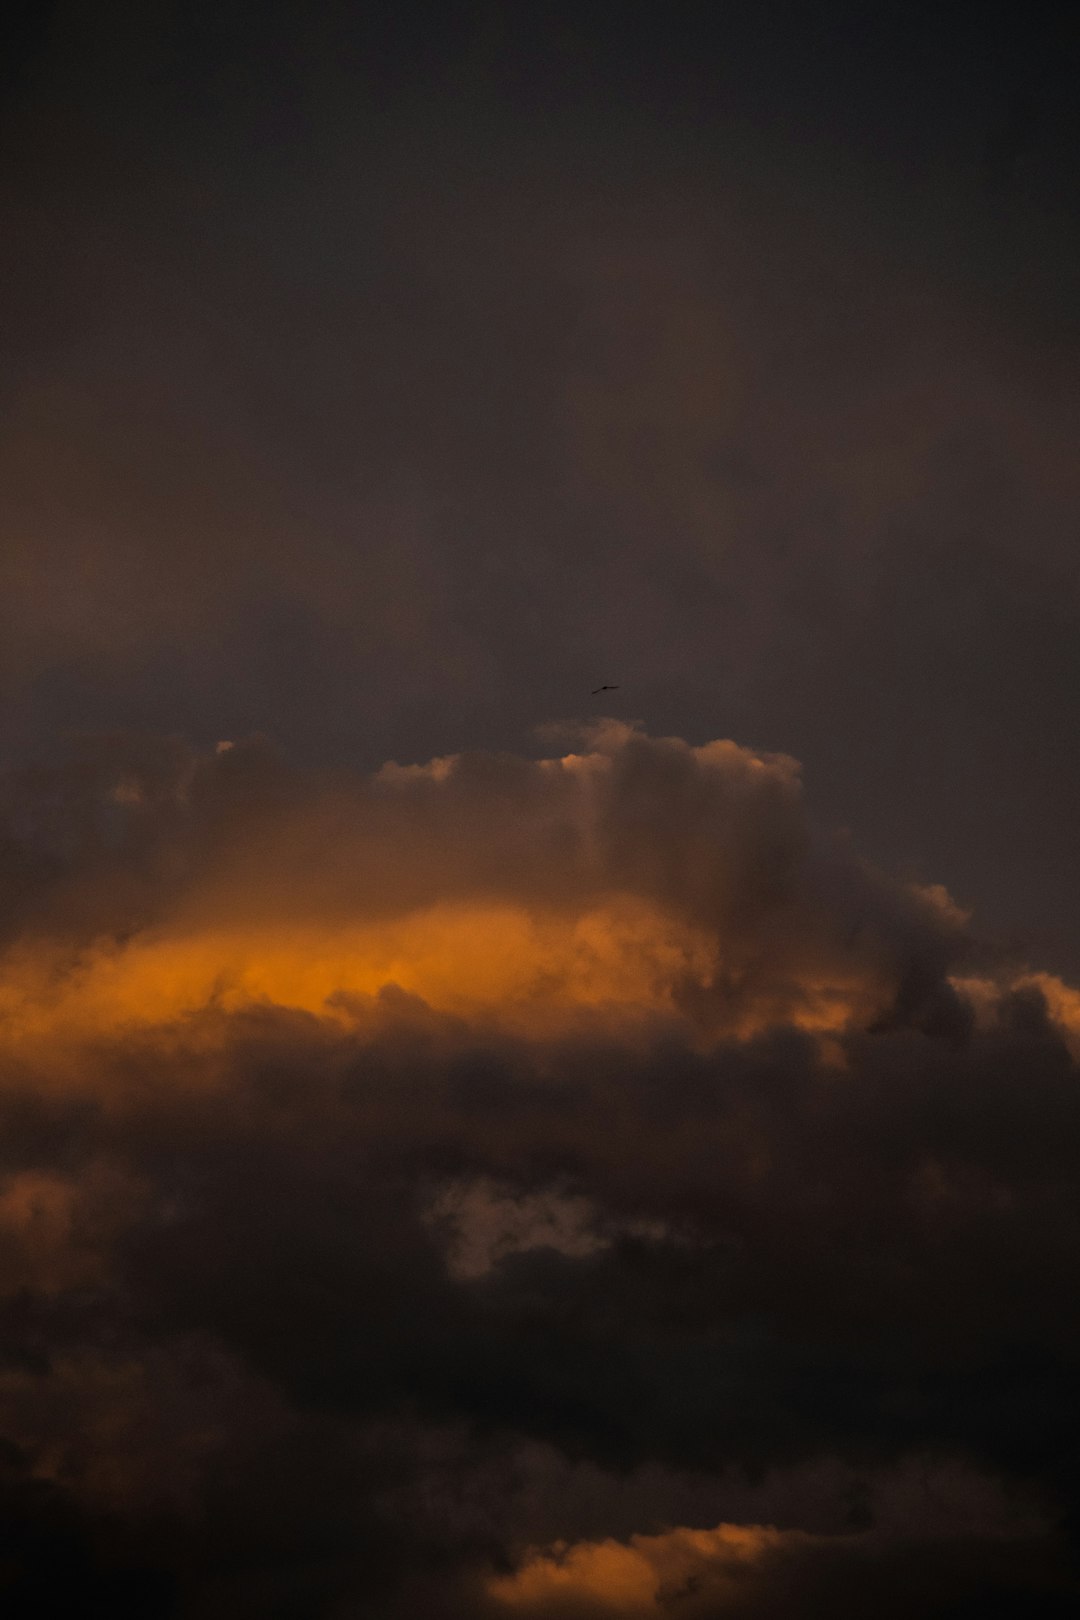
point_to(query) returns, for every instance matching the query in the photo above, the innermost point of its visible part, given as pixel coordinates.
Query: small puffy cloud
(646, 1578)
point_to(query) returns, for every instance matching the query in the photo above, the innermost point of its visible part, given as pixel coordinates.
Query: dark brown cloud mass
(576, 1186)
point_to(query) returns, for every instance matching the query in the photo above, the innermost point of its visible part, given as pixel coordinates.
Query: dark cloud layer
(450, 1293)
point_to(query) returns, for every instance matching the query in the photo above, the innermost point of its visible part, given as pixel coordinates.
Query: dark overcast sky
(384, 378)
(376, 381)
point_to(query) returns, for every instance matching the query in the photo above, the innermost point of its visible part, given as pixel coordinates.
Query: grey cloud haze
(383, 386)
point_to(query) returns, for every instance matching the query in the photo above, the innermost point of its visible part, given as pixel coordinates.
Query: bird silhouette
(604, 689)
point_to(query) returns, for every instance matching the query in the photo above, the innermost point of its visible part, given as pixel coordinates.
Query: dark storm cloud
(331, 1304)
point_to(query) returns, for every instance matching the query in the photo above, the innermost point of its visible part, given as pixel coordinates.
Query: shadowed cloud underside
(578, 1186)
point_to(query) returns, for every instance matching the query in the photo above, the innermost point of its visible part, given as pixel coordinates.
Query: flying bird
(604, 689)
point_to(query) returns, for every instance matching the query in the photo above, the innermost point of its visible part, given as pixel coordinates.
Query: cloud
(640, 1578)
(461, 1189)
(640, 877)
(757, 1570)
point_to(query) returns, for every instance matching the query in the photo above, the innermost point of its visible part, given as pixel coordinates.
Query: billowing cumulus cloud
(636, 877)
(577, 1186)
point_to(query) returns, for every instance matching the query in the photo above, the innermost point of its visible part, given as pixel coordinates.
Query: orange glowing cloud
(639, 880)
(642, 1578)
(619, 966)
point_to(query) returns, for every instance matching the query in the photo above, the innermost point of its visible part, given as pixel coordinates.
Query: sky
(474, 1146)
